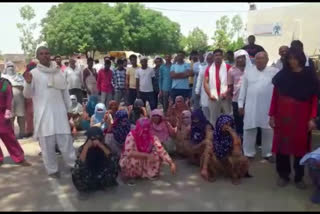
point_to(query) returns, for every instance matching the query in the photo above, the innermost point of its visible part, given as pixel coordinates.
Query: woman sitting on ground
(97, 118)
(201, 133)
(76, 112)
(96, 167)
(175, 110)
(117, 132)
(312, 160)
(163, 130)
(91, 105)
(137, 111)
(143, 154)
(224, 155)
(183, 133)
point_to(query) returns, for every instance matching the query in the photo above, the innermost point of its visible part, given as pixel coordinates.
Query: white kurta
(50, 106)
(199, 88)
(255, 94)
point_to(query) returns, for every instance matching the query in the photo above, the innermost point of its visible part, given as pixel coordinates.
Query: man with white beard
(254, 103)
(47, 87)
(18, 108)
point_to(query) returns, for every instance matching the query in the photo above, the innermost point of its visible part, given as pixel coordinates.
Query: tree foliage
(79, 28)
(228, 35)
(148, 31)
(196, 40)
(27, 27)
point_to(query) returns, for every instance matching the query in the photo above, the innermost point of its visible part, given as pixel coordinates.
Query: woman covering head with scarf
(96, 167)
(137, 111)
(97, 118)
(143, 154)
(312, 161)
(224, 155)
(175, 111)
(183, 133)
(92, 102)
(163, 130)
(29, 106)
(117, 132)
(76, 111)
(201, 133)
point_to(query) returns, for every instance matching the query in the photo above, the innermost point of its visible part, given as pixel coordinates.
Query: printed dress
(137, 168)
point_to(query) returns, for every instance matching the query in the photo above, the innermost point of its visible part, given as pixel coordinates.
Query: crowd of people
(211, 112)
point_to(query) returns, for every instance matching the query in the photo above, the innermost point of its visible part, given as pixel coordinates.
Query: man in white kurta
(255, 97)
(47, 87)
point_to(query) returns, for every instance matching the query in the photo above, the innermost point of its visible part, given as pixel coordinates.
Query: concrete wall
(298, 22)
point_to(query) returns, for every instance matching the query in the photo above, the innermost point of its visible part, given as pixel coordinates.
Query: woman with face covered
(224, 154)
(201, 132)
(96, 167)
(97, 118)
(76, 111)
(137, 111)
(163, 130)
(117, 132)
(183, 133)
(143, 154)
(175, 110)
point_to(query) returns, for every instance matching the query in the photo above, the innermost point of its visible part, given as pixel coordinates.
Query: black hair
(96, 61)
(252, 36)
(90, 59)
(296, 44)
(218, 51)
(57, 56)
(182, 52)
(133, 56)
(120, 61)
(193, 52)
(230, 53)
(297, 54)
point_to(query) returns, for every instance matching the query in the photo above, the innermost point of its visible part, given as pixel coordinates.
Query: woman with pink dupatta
(143, 154)
(163, 130)
(29, 107)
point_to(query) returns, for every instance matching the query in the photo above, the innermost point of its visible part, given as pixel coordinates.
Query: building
(279, 26)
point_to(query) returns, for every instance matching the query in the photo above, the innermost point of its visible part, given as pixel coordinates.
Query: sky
(188, 15)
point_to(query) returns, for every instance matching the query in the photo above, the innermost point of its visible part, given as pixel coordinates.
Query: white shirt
(199, 88)
(50, 106)
(145, 79)
(255, 94)
(74, 77)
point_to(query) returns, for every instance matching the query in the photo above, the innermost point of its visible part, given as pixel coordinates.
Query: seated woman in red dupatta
(163, 130)
(175, 111)
(201, 133)
(143, 154)
(292, 113)
(224, 154)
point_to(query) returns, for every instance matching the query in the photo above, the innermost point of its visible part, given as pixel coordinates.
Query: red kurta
(291, 134)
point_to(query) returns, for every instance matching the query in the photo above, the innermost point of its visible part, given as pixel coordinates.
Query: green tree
(27, 28)
(148, 31)
(197, 40)
(228, 35)
(71, 28)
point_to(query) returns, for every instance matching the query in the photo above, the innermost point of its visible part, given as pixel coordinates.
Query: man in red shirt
(104, 82)
(216, 86)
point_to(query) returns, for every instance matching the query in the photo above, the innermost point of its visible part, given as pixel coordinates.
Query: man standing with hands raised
(47, 87)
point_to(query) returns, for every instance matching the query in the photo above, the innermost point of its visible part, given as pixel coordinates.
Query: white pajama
(249, 142)
(65, 144)
(217, 107)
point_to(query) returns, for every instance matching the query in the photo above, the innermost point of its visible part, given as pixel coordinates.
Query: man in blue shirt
(165, 82)
(180, 72)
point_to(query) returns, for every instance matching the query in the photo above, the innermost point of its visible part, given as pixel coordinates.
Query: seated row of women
(139, 150)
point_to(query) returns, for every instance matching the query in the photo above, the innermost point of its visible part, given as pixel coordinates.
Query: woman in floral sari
(143, 154)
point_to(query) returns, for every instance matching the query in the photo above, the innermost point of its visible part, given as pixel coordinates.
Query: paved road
(29, 189)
